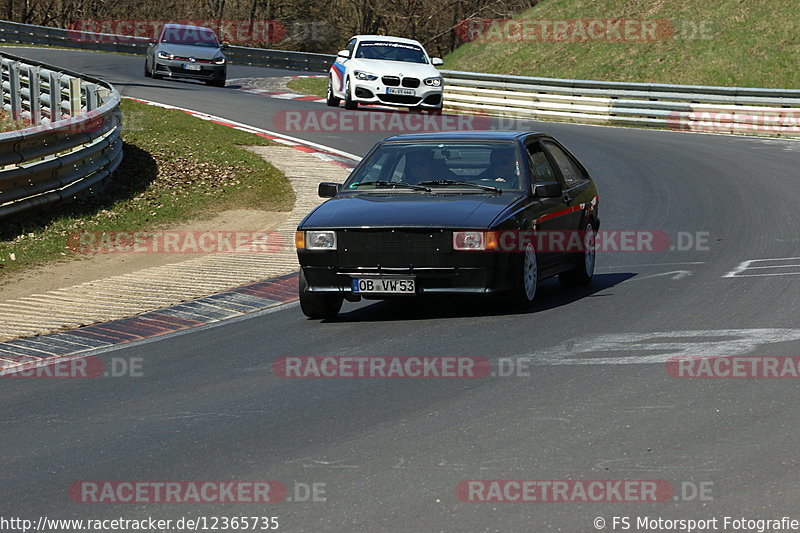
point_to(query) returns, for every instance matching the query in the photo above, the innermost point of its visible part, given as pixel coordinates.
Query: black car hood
(410, 210)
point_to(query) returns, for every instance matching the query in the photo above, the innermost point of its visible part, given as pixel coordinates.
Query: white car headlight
(433, 82)
(320, 240)
(219, 60)
(365, 76)
(164, 55)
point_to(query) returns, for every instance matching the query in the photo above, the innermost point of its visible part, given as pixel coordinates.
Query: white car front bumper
(397, 92)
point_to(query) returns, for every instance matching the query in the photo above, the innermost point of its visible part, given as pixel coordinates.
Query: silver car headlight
(164, 55)
(219, 60)
(365, 76)
(433, 82)
(320, 240)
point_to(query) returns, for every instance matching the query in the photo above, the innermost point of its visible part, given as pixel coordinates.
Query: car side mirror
(327, 189)
(437, 61)
(547, 190)
(344, 54)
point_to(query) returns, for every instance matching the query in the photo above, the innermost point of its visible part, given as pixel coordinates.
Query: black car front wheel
(582, 272)
(526, 278)
(318, 304)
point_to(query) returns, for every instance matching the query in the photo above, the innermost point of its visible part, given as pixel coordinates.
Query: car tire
(348, 97)
(318, 305)
(147, 73)
(330, 99)
(582, 272)
(525, 269)
(153, 72)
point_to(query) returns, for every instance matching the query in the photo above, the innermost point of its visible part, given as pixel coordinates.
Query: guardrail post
(91, 96)
(55, 96)
(34, 86)
(74, 85)
(16, 95)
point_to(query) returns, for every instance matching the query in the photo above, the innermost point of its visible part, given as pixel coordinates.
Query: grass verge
(175, 168)
(309, 86)
(730, 43)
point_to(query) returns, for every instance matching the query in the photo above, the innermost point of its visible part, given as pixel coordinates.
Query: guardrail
(73, 142)
(12, 32)
(679, 107)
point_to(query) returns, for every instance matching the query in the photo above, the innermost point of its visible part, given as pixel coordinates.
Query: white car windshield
(389, 51)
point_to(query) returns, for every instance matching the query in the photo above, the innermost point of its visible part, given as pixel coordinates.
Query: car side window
(540, 166)
(571, 172)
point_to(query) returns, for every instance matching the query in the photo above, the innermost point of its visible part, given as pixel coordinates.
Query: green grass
(751, 43)
(309, 86)
(8, 124)
(176, 168)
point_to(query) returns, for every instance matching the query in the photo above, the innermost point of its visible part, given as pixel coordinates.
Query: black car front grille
(391, 81)
(399, 99)
(394, 248)
(411, 82)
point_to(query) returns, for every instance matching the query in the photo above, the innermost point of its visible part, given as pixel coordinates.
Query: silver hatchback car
(190, 52)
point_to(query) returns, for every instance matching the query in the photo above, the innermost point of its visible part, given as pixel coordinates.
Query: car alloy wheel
(530, 272)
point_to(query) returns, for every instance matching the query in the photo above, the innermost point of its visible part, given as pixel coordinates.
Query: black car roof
(471, 135)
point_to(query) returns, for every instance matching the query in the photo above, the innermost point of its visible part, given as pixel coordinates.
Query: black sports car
(482, 212)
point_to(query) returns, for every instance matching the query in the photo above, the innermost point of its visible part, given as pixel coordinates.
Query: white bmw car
(374, 69)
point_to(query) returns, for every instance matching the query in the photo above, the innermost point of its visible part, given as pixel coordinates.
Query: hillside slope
(751, 43)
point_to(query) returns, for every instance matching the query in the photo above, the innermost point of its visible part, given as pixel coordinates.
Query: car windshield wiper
(465, 183)
(384, 183)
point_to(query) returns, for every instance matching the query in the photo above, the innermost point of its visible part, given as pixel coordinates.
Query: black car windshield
(389, 51)
(190, 35)
(440, 166)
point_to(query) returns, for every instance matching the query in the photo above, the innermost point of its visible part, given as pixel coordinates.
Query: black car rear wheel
(318, 304)
(526, 277)
(582, 272)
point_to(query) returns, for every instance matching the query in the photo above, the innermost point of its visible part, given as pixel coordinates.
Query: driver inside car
(421, 166)
(502, 167)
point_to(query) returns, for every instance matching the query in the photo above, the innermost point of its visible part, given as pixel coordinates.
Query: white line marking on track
(666, 344)
(744, 266)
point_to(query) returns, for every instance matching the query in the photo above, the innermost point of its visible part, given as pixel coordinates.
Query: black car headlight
(364, 76)
(165, 55)
(433, 82)
(315, 240)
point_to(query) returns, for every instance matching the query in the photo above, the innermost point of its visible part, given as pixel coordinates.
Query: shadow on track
(550, 295)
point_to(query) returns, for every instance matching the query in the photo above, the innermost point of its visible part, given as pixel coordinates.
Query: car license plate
(191, 66)
(407, 92)
(383, 286)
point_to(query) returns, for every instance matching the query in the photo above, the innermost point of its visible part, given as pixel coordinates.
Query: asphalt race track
(598, 403)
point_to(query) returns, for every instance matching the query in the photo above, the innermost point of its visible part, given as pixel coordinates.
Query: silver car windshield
(190, 36)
